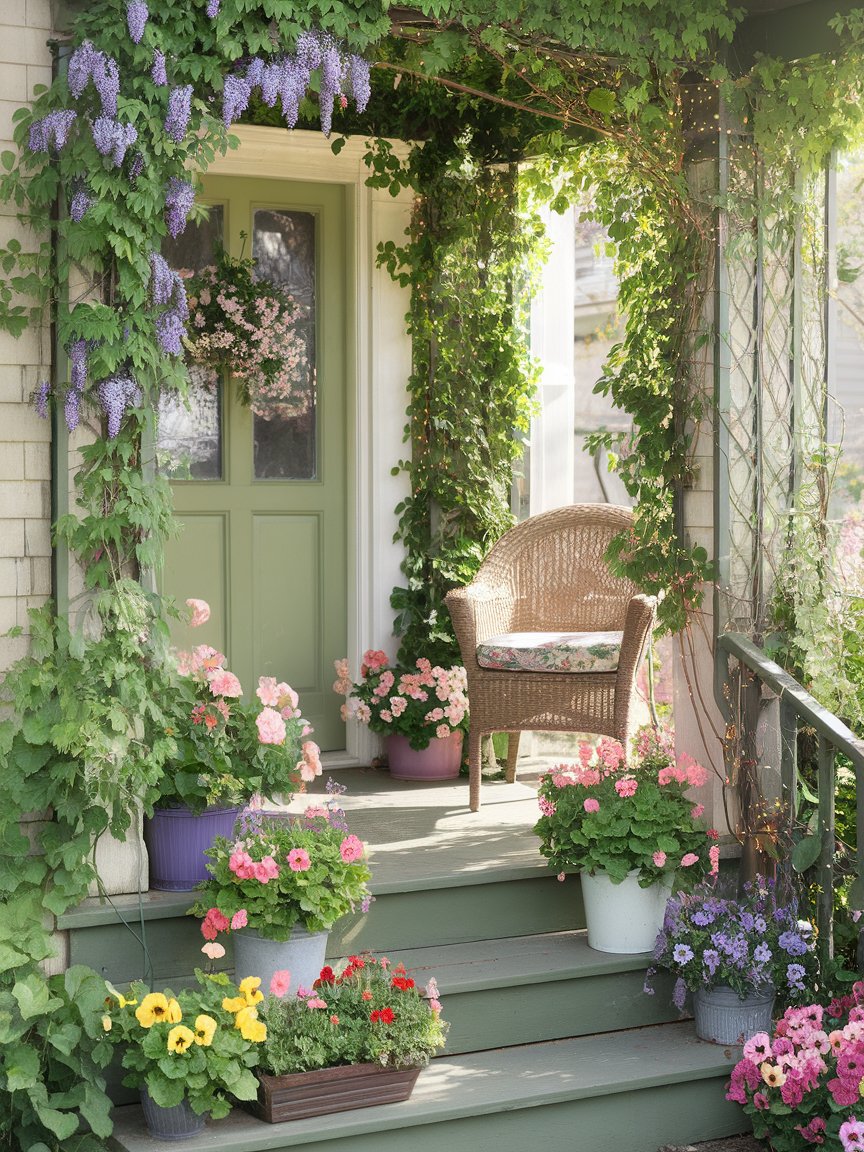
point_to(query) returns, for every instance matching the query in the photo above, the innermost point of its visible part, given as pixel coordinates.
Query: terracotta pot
(440, 760)
(302, 1094)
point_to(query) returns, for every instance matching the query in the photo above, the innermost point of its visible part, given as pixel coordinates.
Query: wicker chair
(548, 574)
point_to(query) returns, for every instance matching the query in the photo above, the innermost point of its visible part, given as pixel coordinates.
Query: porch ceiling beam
(790, 29)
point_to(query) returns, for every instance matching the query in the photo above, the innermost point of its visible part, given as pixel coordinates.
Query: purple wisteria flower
(168, 288)
(212, 8)
(72, 409)
(53, 130)
(136, 19)
(236, 93)
(106, 77)
(331, 84)
(78, 358)
(170, 331)
(254, 71)
(40, 398)
(116, 394)
(113, 138)
(294, 83)
(179, 198)
(179, 111)
(270, 82)
(80, 201)
(162, 279)
(308, 51)
(158, 74)
(80, 68)
(136, 167)
(359, 71)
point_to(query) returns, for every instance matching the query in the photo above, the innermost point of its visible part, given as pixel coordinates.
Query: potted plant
(423, 712)
(358, 1037)
(225, 753)
(801, 1086)
(252, 328)
(735, 953)
(188, 1054)
(631, 830)
(280, 886)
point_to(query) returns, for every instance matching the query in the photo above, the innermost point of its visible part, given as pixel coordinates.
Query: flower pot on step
(623, 918)
(177, 839)
(439, 760)
(302, 954)
(302, 1094)
(724, 1018)
(177, 1123)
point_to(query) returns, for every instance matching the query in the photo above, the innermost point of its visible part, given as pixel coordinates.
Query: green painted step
(151, 938)
(626, 1091)
(527, 989)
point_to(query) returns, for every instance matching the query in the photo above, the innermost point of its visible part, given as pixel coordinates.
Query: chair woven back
(555, 568)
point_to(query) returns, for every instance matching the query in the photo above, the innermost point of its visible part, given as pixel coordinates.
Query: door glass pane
(189, 440)
(283, 245)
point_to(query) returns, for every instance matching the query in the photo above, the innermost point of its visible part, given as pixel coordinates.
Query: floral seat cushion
(551, 652)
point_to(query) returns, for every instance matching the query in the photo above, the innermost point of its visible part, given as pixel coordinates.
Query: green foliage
(191, 1046)
(52, 1053)
(324, 879)
(342, 1023)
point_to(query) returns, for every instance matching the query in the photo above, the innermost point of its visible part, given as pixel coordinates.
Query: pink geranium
(351, 849)
(266, 691)
(225, 683)
(591, 805)
(239, 920)
(280, 982)
(200, 612)
(689, 859)
(298, 860)
(271, 727)
(213, 950)
(659, 858)
(310, 766)
(626, 787)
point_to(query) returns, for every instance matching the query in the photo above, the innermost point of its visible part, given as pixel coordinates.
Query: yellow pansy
(254, 1030)
(246, 1014)
(174, 1014)
(107, 1023)
(180, 1038)
(205, 1027)
(234, 1003)
(249, 987)
(124, 1003)
(153, 1009)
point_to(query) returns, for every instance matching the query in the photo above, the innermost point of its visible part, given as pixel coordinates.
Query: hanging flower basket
(253, 329)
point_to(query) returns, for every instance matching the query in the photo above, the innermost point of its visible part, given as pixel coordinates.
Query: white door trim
(379, 364)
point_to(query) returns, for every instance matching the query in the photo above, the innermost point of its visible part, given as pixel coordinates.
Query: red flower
(403, 983)
(356, 962)
(327, 976)
(382, 1015)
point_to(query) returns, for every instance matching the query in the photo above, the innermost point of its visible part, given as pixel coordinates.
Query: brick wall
(25, 469)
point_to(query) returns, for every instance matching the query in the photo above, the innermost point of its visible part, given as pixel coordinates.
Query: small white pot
(623, 917)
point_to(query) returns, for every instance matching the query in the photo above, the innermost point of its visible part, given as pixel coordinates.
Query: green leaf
(22, 1066)
(62, 1124)
(601, 100)
(33, 996)
(806, 853)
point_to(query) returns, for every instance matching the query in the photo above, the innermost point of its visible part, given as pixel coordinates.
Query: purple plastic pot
(177, 839)
(440, 760)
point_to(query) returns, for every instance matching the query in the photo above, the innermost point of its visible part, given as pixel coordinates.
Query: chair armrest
(638, 623)
(478, 611)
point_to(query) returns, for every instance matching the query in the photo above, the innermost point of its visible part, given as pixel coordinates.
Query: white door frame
(378, 356)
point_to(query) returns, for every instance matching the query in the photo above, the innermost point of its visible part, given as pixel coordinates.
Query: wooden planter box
(302, 1094)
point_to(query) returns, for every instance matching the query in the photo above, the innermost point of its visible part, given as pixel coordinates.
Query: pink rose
(351, 849)
(239, 919)
(200, 612)
(271, 727)
(659, 858)
(298, 860)
(591, 805)
(280, 982)
(689, 859)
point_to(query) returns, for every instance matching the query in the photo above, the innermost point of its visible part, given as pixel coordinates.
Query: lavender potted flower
(735, 953)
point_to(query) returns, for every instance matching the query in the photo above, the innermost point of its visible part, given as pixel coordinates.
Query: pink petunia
(280, 982)
(659, 858)
(688, 859)
(239, 919)
(591, 805)
(200, 610)
(351, 849)
(271, 727)
(298, 860)
(316, 1002)
(224, 683)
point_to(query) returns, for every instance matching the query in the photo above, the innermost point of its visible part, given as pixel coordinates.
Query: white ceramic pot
(623, 917)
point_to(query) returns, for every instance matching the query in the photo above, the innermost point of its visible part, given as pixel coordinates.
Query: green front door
(263, 502)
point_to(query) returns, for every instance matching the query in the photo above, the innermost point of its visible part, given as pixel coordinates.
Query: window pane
(283, 245)
(189, 445)
(189, 441)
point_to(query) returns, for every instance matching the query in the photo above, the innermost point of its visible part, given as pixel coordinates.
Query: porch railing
(798, 707)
